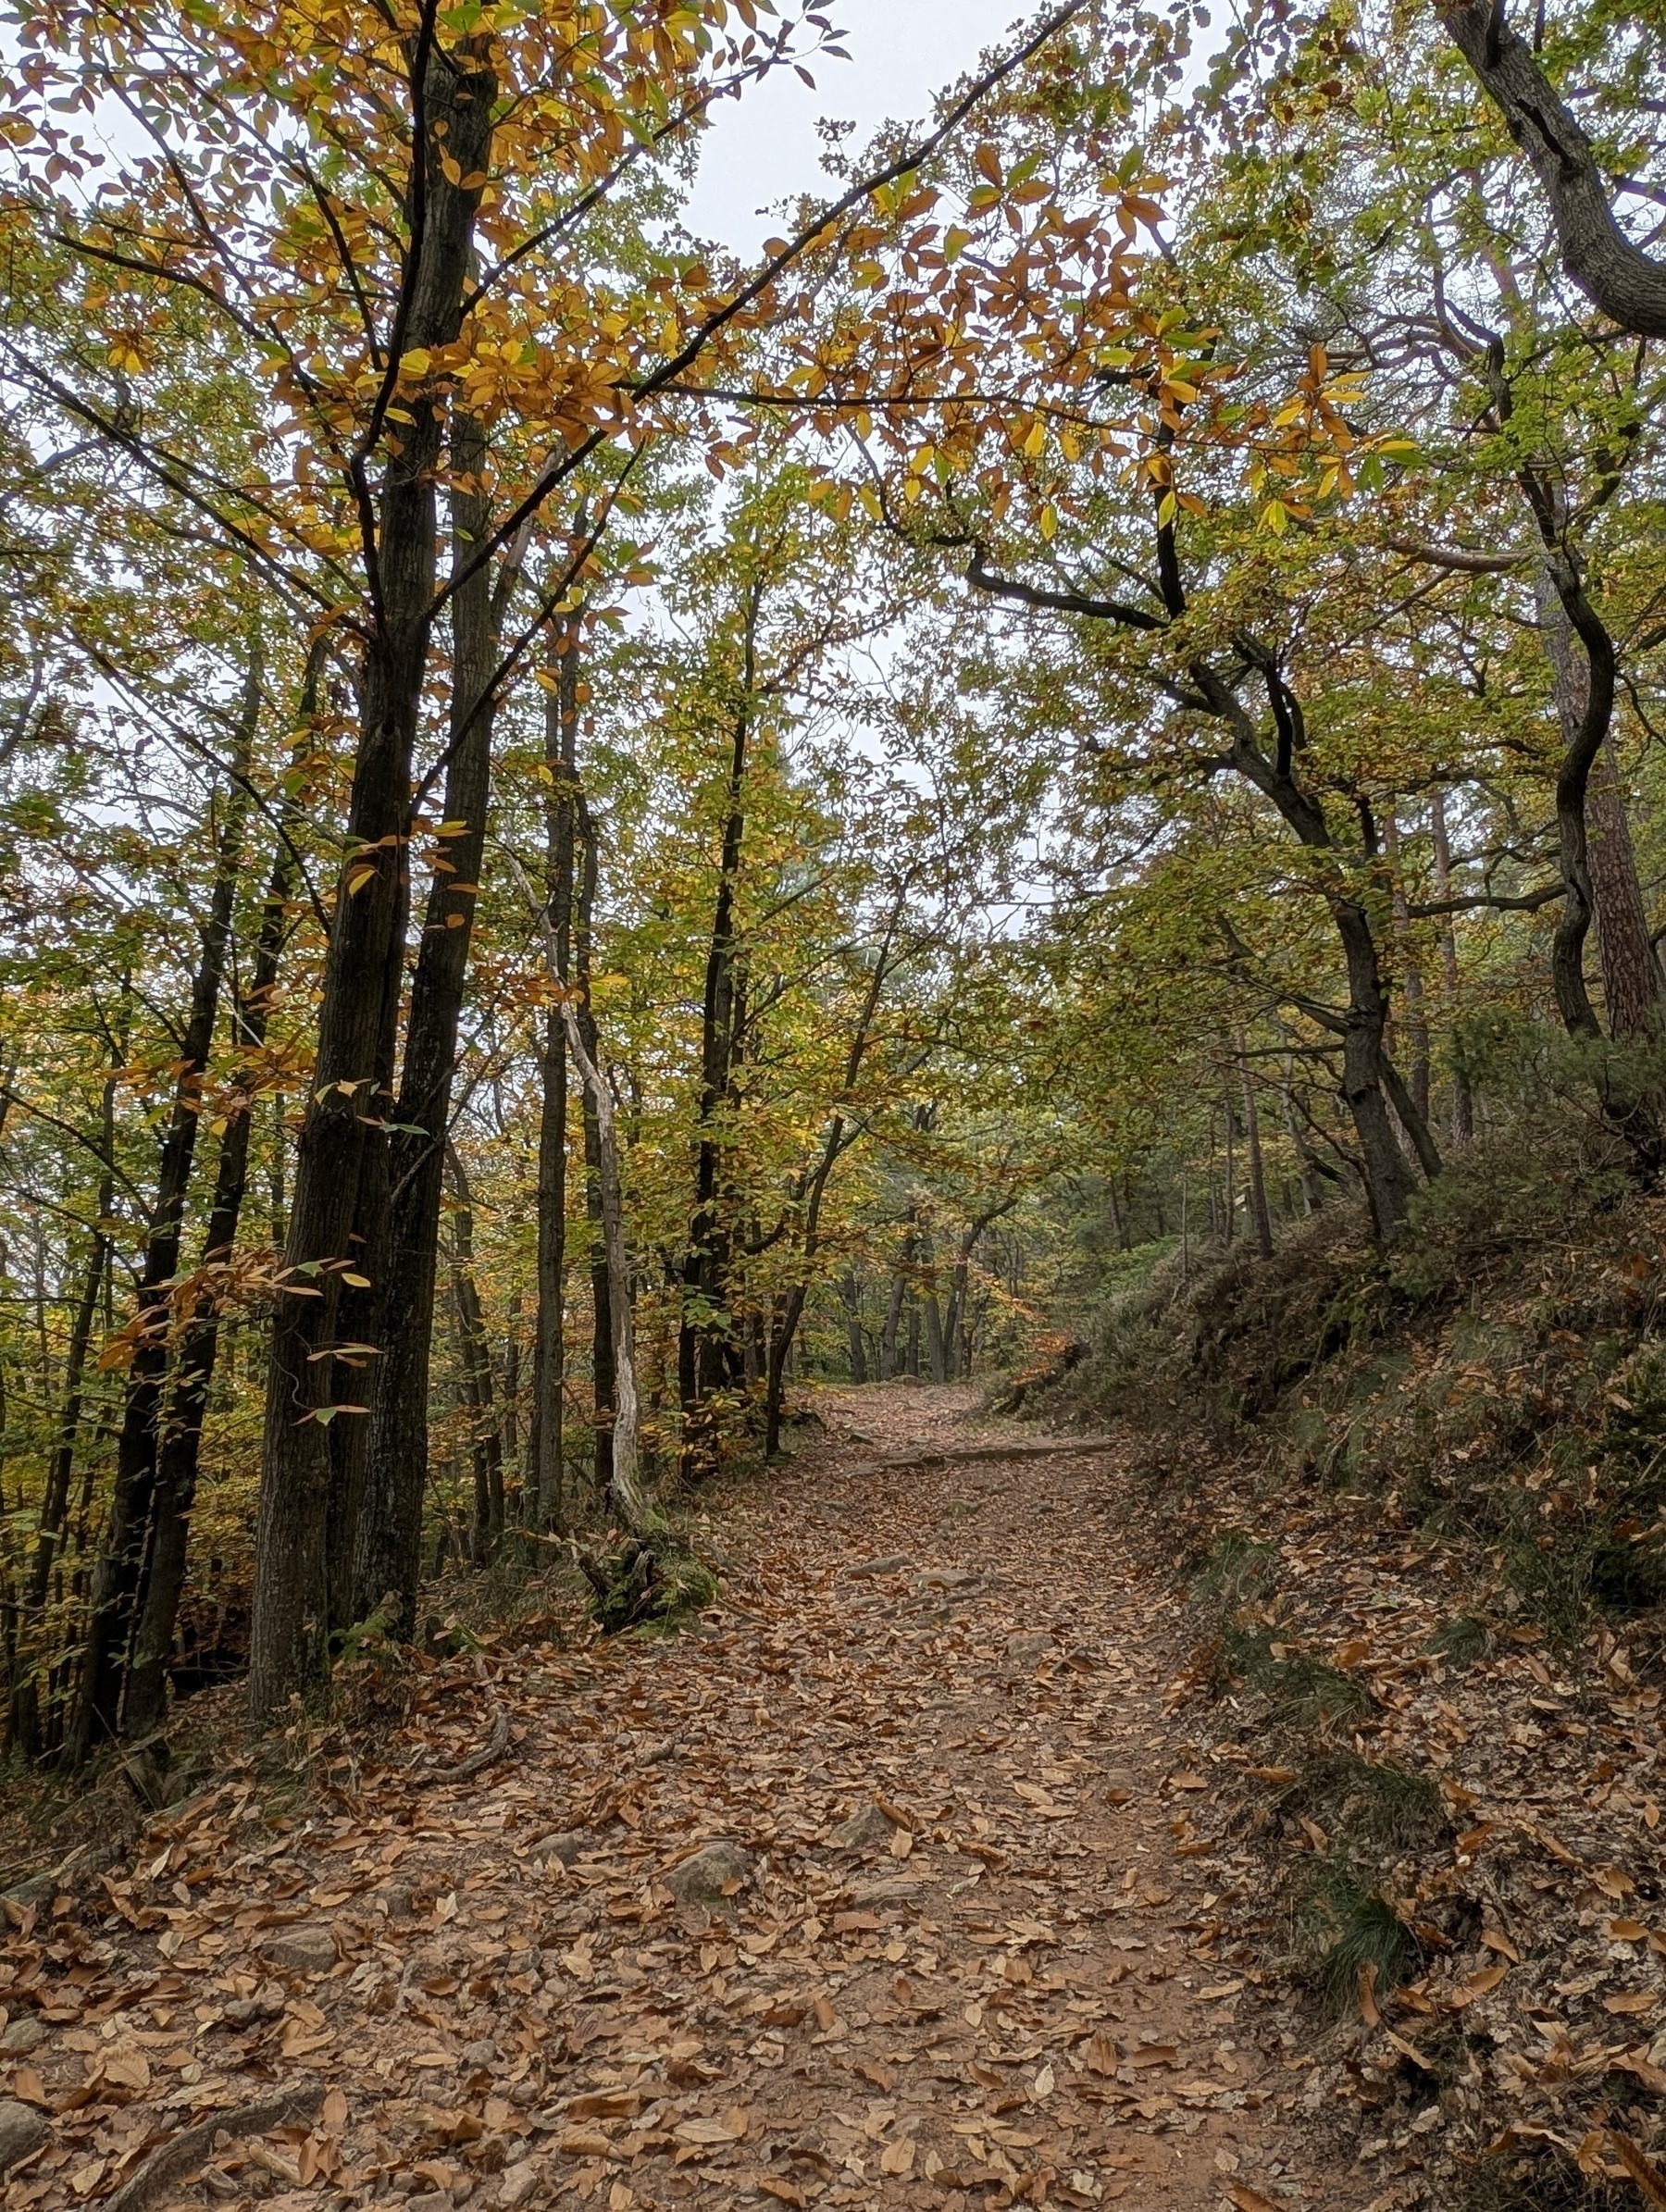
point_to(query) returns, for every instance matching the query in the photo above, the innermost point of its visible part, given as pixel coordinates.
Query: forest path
(1006, 1985)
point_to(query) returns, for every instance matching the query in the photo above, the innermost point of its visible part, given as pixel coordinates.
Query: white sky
(762, 148)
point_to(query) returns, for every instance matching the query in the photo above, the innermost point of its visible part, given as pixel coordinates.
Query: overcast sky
(763, 149)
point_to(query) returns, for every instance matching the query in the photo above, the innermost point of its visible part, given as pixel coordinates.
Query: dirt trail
(1011, 1984)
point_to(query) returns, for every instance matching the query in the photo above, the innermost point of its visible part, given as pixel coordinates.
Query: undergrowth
(1496, 1382)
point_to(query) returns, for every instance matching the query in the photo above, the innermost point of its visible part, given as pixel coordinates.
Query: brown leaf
(1248, 2199)
(786, 2193)
(335, 2111)
(1492, 1940)
(898, 2157)
(27, 2083)
(1152, 2053)
(880, 2075)
(1099, 2057)
(1630, 2000)
(855, 1923)
(585, 2143)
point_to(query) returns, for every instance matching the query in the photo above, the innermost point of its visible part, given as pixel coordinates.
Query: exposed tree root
(170, 2162)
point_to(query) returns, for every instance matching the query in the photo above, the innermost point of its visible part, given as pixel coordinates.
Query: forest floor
(880, 1886)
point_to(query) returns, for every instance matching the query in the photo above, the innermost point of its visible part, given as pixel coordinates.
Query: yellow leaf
(415, 363)
(358, 878)
(1036, 440)
(1050, 521)
(356, 1282)
(452, 170)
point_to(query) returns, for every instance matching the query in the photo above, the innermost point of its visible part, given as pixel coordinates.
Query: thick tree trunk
(338, 1220)
(1631, 975)
(111, 1617)
(382, 1545)
(144, 1707)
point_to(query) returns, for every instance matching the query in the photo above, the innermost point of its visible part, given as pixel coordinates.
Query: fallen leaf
(1491, 1940)
(898, 2157)
(786, 2193)
(335, 2111)
(585, 2143)
(1100, 2055)
(1248, 2199)
(1630, 2000)
(1152, 2053)
(880, 2075)
(27, 2084)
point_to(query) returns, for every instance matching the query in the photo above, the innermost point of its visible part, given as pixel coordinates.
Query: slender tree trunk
(603, 1331)
(337, 1222)
(629, 1501)
(852, 1306)
(144, 1707)
(1410, 974)
(1257, 1185)
(112, 1616)
(379, 1548)
(1231, 1191)
(485, 1442)
(1463, 1112)
(702, 1330)
(549, 1369)
(893, 1310)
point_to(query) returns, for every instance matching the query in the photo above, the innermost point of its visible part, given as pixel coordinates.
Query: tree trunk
(112, 1616)
(852, 1306)
(380, 1544)
(485, 1440)
(1410, 975)
(1619, 277)
(702, 1363)
(628, 1498)
(144, 1707)
(1463, 1111)
(341, 1160)
(1258, 1186)
(1631, 977)
(893, 1310)
(603, 1335)
(549, 1366)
